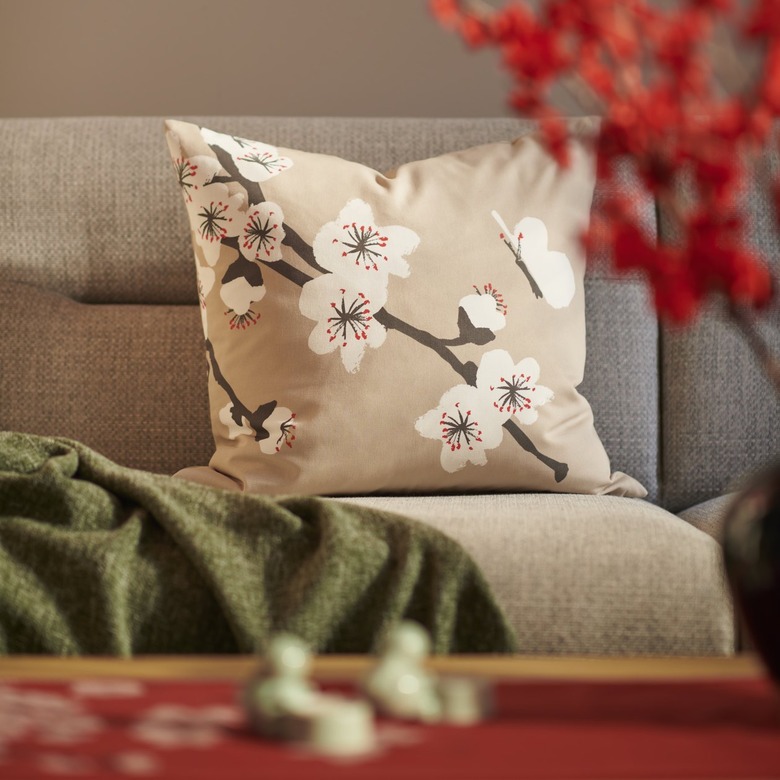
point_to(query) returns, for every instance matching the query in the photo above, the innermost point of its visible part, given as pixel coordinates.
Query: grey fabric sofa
(102, 343)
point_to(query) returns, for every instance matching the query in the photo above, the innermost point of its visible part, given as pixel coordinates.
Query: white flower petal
(320, 341)
(344, 312)
(465, 425)
(194, 173)
(527, 416)
(281, 426)
(551, 271)
(455, 460)
(376, 335)
(211, 250)
(239, 295)
(529, 368)
(262, 232)
(401, 241)
(532, 233)
(353, 245)
(356, 210)
(227, 142)
(234, 430)
(540, 396)
(428, 424)
(482, 311)
(234, 144)
(214, 215)
(512, 389)
(352, 354)
(495, 364)
(543, 395)
(255, 160)
(261, 162)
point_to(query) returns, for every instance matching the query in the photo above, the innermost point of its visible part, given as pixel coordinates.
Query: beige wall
(274, 57)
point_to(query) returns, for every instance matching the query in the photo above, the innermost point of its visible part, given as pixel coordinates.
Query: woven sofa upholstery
(102, 343)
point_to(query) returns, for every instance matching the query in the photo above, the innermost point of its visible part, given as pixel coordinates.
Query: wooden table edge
(345, 667)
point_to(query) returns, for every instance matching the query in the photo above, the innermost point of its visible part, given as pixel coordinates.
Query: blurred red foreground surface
(702, 729)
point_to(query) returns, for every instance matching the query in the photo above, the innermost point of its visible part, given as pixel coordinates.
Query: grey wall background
(265, 57)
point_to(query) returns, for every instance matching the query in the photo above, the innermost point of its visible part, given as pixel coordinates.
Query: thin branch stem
(289, 272)
(219, 378)
(513, 244)
(301, 248)
(238, 410)
(466, 370)
(560, 470)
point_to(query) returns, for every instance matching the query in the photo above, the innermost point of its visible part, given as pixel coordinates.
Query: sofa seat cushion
(589, 574)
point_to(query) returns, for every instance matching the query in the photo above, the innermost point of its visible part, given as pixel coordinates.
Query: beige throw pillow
(421, 330)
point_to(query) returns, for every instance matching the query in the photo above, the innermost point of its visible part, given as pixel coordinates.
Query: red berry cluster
(682, 115)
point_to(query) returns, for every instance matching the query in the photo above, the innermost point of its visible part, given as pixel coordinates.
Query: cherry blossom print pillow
(418, 331)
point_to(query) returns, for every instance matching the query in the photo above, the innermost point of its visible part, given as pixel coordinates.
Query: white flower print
(280, 425)
(215, 215)
(172, 726)
(354, 245)
(513, 390)
(344, 311)
(234, 429)
(238, 295)
(465, 424)
(262, 232)
(551, 270)
(486, 308)
(230, 143)
(261, 162)
(194, 173)
(281, 428)
(255, 161)
(242, 286)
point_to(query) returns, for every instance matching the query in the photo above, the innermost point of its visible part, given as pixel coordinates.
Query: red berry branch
(688, 119)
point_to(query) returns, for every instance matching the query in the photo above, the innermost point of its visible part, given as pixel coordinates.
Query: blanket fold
(96, 558)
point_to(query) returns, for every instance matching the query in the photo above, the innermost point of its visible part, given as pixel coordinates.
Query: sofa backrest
(721, 416)
(99, 311)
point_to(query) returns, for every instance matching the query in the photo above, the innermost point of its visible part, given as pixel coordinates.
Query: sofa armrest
(710, 516)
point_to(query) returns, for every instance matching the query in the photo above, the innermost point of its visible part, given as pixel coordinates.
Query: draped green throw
(96, 558)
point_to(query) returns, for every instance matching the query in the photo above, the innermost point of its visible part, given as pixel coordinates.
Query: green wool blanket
(96, 558)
